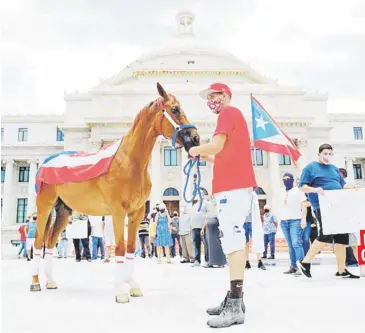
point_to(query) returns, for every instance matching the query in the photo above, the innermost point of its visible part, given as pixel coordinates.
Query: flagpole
(253, 139)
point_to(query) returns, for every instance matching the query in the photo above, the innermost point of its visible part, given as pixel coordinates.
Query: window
(170, 192)
(2, 134)
(60, 136)
(203, 191)
(2, 174)
(23, 134)
(170, 156)
(23, 174)
(202, 163)
(357, 171)
(358, 133)
(284, 160)
(260, 191)
(259, 157)
(21, 211)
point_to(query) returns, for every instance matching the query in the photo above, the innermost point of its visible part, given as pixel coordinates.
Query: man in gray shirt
(197, 222)
(185, 236)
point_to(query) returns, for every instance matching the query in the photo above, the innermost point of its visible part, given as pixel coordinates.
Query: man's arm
(304, 214)
(308, 189)
(209, 158)
(214, 147)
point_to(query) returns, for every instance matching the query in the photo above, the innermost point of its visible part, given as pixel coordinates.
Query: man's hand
(319, 190)
(194, 151)
(303, 223)
(202, 232)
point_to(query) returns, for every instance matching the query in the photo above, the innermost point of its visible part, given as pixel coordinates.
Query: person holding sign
(315, 179)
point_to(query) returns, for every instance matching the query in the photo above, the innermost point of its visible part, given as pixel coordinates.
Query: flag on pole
(268, 136)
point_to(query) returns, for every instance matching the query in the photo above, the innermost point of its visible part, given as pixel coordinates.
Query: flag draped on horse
(268, 136)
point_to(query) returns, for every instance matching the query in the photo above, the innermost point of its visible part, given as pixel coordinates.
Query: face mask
(288, 183)
(161, 210)
(215, 105)
(267, 210)
(326, 159)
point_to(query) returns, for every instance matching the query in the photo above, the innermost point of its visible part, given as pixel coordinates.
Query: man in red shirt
(23, 230)
(233, 183)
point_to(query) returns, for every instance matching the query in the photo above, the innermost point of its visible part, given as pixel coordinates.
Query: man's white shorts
(30, 243)
(233, 207)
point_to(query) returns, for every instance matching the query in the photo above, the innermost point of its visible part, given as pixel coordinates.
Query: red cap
(216, 87)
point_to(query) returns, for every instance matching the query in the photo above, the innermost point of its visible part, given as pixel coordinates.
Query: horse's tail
(62, 213)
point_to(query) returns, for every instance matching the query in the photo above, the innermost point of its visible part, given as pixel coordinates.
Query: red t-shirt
(23, 234)
(233, 165)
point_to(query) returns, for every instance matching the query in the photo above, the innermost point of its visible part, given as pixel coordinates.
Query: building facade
(186, 67)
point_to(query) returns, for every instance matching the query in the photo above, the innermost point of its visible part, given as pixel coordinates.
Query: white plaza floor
(176, 297)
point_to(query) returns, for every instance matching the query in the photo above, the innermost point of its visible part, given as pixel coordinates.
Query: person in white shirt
(97, 235)
(293, 212)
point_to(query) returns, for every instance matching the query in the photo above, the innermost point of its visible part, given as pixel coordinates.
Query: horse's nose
(196, 139)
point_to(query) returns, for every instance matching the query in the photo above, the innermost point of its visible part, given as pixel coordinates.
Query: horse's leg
(62, 215)
(45, 202)
(134, 220)
(122, 289)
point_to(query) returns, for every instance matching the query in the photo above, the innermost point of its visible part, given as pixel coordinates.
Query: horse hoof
(51, 285)
(35, 287)
(122, 298)
(136, 292)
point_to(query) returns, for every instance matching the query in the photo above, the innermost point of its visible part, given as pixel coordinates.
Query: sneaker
(78, 260)
(196, 264)
(347, 274)
(206, 265)
(184, 261)
(291, 270)
(231, 314)
(304, 268)
(264, 257)
(248, 265)
(261, 265)
(271, 257)
(216, 311)
(106, 260)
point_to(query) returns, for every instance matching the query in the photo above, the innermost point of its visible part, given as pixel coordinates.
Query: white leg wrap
(48, 264)
(120, 275)
(36, 261)
(129, 270)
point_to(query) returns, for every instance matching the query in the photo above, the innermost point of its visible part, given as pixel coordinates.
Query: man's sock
(236, 289)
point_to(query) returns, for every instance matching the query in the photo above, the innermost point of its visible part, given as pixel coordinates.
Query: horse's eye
(175, 109)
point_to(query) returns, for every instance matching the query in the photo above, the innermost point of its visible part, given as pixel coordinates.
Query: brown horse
(120, 192)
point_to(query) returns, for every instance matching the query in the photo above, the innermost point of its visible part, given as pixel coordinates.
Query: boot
(216, 311)
(261, 265)
(231, 314)
(248, 265)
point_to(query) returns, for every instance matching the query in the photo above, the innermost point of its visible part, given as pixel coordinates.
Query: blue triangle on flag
(262, 125)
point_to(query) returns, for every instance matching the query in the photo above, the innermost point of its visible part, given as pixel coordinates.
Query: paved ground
(175, 300)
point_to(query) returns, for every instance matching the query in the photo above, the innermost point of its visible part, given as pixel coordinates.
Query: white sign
(78, 229)
(342, 211)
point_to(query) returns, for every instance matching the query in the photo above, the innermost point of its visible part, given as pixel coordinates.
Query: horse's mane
(143, 117)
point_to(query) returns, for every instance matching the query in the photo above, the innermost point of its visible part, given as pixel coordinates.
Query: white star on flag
(260, 122)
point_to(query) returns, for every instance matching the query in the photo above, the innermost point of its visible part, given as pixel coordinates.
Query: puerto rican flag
(268, 136)
(73, 166)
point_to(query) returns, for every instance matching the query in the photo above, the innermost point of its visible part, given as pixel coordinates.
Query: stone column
(350, 171)
(274, 176)
(31, 187)
(156, 194)
(8, 200)
(303, 160)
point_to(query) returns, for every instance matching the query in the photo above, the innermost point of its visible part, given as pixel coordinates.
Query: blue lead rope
(187, 170)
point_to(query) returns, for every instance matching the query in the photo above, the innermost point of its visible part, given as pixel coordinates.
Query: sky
(53, 46)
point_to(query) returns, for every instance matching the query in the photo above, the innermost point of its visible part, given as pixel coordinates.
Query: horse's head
(173, 122)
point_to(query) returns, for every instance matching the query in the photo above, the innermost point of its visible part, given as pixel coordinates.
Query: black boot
(231, 314)
(216, 311)
(248, 265)
(261, 265)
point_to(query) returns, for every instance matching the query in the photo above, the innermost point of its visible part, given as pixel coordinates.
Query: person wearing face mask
(315, 179)
(162, 236)
(293, 219)
(175, 235)
(233, 183)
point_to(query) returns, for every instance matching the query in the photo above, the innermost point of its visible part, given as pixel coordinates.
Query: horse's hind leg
(45, 202)
(134, 220)
(62, 215)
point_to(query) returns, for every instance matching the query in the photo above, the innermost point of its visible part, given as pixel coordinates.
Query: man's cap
(215, 87)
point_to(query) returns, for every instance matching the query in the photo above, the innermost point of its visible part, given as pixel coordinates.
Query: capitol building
(184, 68)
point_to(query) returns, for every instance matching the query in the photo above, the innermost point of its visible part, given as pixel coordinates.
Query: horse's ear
(162, 92)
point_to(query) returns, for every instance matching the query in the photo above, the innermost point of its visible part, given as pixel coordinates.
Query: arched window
(203, 191)
(260, 191)
(171, 192)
